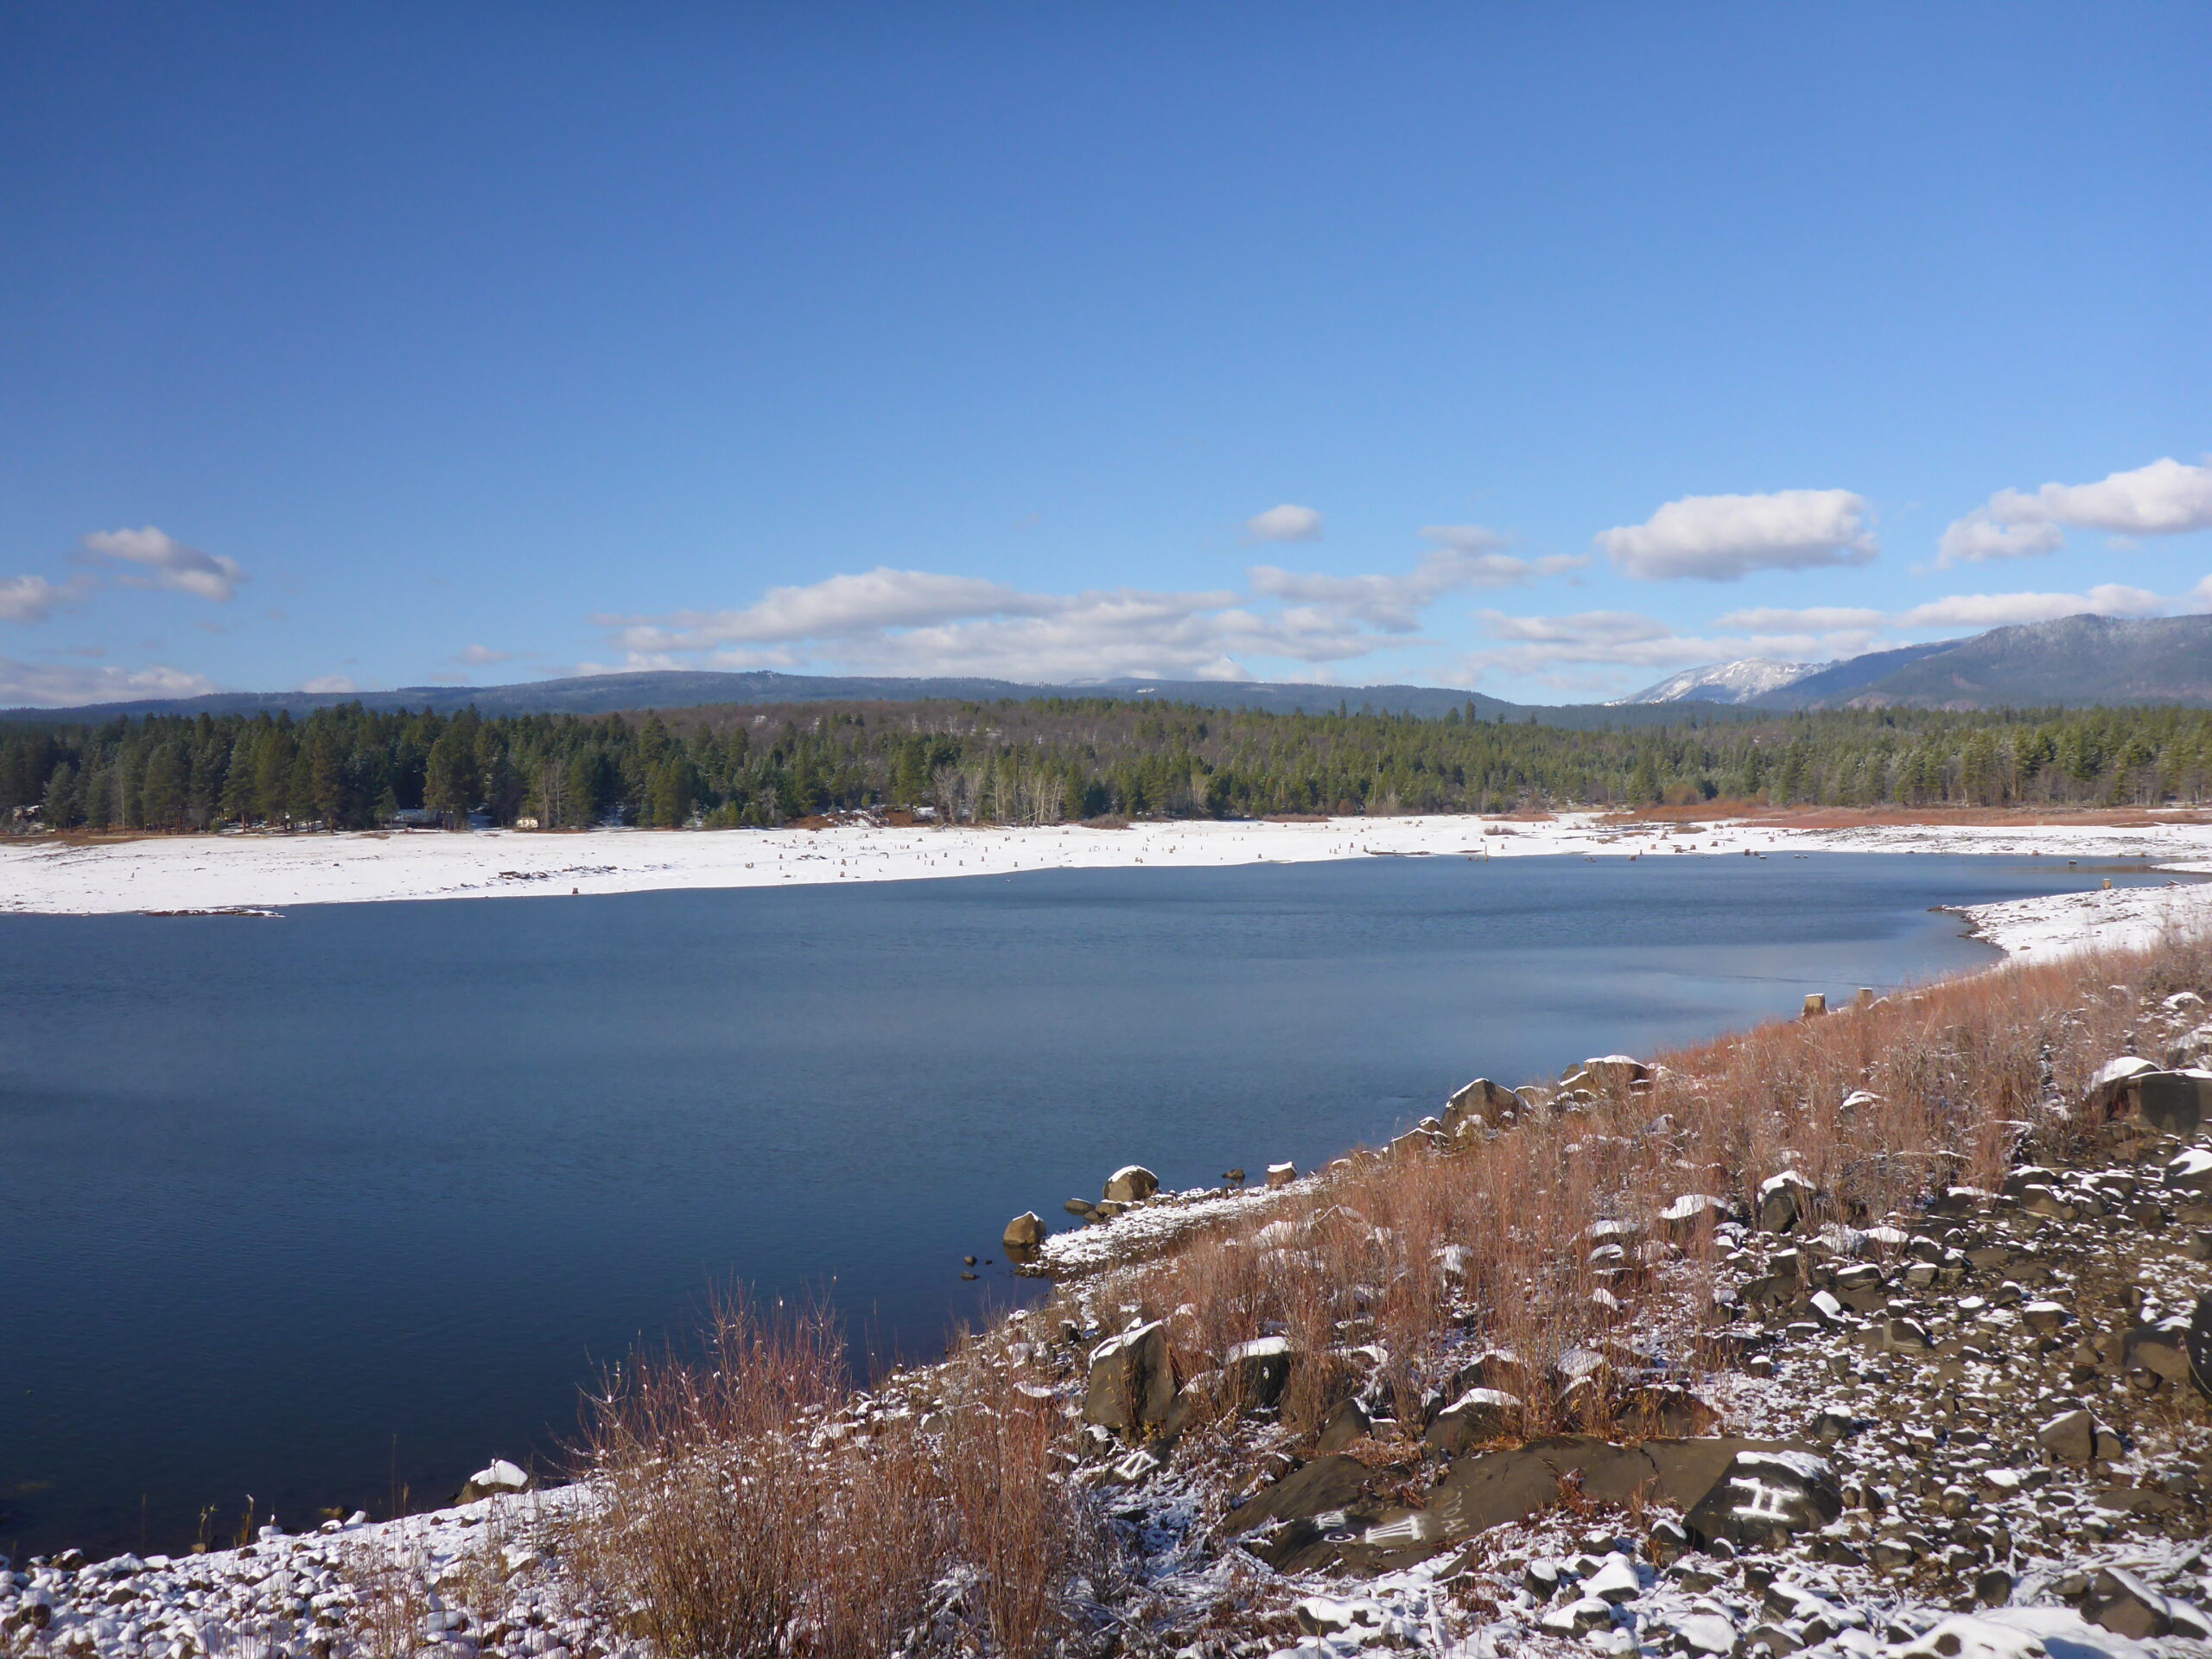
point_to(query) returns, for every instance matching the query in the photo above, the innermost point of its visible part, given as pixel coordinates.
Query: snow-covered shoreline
(258, 872)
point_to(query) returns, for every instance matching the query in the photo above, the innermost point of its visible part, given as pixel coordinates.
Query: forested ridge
(1055, 759)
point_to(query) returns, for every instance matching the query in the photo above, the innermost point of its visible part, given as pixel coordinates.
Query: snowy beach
(260, 872)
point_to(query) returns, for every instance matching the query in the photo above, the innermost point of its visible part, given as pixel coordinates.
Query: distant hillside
(2075, 662)
(1828, 684)
(603, 694)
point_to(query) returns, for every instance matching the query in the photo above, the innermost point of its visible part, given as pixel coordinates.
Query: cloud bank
(46, 685)
(892, 621)
(33, 599)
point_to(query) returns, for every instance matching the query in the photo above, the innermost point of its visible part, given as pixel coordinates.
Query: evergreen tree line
(1054, 760)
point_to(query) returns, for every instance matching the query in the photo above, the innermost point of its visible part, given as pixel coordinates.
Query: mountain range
(2076, 661)
(601, 694)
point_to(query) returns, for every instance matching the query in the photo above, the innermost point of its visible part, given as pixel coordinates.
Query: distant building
(417, 817)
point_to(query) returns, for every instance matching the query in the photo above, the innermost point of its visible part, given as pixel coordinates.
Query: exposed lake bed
(305, 1210)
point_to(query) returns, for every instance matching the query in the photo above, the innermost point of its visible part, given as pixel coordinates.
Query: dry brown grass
(1961, 1074)
(751, 1505)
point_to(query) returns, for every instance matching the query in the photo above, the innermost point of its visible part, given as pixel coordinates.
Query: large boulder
(2161, 1349)
(1131, 1184)
(2191, 1173)
(1764, 1499)
(1785, 1202)
(1328, 1523)
(1862, 1288)
(1132, 1381)
(1691, 1214)
(494, 1480)
(1312, 1489)
(1259, 1371)
(2172, 1102)
(1481, 1104)
(1304, 1520)
(2110, 1085)
(1348, 1423)
(1492, 1488)
(1614, 1071)
(1478, 1415)
(2077, 1437)
(2123, 1603)
(1024, 1232)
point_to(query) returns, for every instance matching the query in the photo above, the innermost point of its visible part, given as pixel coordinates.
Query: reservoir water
(304, 1212)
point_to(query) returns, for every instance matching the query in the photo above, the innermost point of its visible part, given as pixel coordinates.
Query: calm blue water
(300, 1208)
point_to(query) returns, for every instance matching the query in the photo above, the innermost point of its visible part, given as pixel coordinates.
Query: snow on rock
(1149, 1228)
(2019, 1633)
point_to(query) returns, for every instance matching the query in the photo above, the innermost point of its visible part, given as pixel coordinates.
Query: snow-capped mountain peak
(1738, 682)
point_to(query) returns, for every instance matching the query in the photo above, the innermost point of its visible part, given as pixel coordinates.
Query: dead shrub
(713, 1502)
(1021, 1531)
(752, 1507)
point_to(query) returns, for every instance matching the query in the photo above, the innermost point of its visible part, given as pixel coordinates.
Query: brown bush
(750, 1504)
(713, 1504)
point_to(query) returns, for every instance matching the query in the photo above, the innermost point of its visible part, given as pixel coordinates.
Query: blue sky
(1544, 349)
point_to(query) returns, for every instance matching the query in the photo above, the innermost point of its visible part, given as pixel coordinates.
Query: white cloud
(174, 566)
(840, 607)
(1284, 523)
(1393, 603)
(918, 622)
(330, 683)
(2167, 498)
(482, 656)
(2164, 498)
(1722, 537)
(2002, 610)
(33, 599)
(986, 629)
(1981, 536)
(53, 685)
